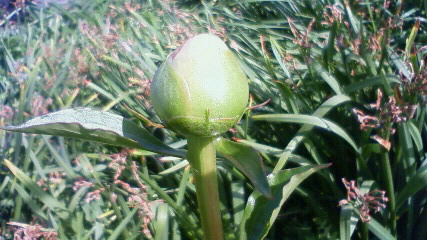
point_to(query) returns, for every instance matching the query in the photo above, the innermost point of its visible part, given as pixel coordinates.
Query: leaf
(411, 38)
(330, 80)
(415, 184)
(379, 230)
(275, 47)
(162, 222)
(261, 212)
(348, 215)
(287, 97)
(46, 198)
(122, 225)
(311, 120)
(355, 24)
(416, 137)
(297, 139)
(174, 168)
(348, 222)
(370, 82)
(247, 160)
(399, 64)
(276, 152)
(30, 201)
(95, 125)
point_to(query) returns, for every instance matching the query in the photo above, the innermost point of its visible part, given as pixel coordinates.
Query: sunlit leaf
(261, 212)
(95, 125)
(51, 202)
(247, 160)
(311, 120)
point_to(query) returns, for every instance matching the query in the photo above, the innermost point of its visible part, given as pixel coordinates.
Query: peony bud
(200, 89)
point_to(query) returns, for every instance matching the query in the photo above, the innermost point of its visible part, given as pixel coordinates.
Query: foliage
(345, 84)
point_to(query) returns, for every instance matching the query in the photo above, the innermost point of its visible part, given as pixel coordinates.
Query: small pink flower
(374, 200)
(6, 112)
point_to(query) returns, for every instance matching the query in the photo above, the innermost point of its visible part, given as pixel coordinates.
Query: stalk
(385, 162)
(365, 231)
(388, 178)
(202, 157)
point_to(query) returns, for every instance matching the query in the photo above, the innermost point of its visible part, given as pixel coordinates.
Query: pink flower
(374, 200)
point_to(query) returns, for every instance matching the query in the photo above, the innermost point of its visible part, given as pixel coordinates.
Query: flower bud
(200, 89)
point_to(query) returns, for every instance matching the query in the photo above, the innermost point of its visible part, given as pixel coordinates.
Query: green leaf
(30, 201)
(297, 139)
(379, 230)
(50, 202)
(247, 160)
(416, 136)
(411, 38)
(370, 82)
(348, 222)
(162, 221)
(288, 97)
(311, 120)
(95, 125)
(122, 225)
(348, 215)
(275, 47)
(261, 212)
(415, 184)
(329, 79)
(355, 24)
(182, 164)
(399, 63)
(276, 152)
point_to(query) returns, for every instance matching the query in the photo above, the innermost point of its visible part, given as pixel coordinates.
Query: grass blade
(122, 225)
(310, 120)
(51, 202)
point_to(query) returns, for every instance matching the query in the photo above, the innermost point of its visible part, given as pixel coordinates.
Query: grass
(346, 85)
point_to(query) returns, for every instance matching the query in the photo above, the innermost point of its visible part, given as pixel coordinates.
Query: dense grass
(322, 67)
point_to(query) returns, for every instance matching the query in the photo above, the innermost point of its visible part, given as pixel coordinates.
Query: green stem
(388, 178)
(365, 231)
(202, 157)
(385, 162)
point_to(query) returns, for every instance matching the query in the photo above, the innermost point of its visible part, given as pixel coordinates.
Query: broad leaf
(247, 160)
(261, 212)
(95, 125)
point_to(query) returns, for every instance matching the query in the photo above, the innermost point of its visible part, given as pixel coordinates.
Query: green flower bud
(200, 89)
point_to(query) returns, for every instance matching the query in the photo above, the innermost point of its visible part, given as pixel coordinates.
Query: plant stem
(365, 231)
(385, 162)
(388, 178)
(202, 157)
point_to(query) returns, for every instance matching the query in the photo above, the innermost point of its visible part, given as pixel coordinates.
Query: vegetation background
(342, 82)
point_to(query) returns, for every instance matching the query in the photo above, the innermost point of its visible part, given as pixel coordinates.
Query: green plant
(314, 69)
(200, 95)
(201, 92)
